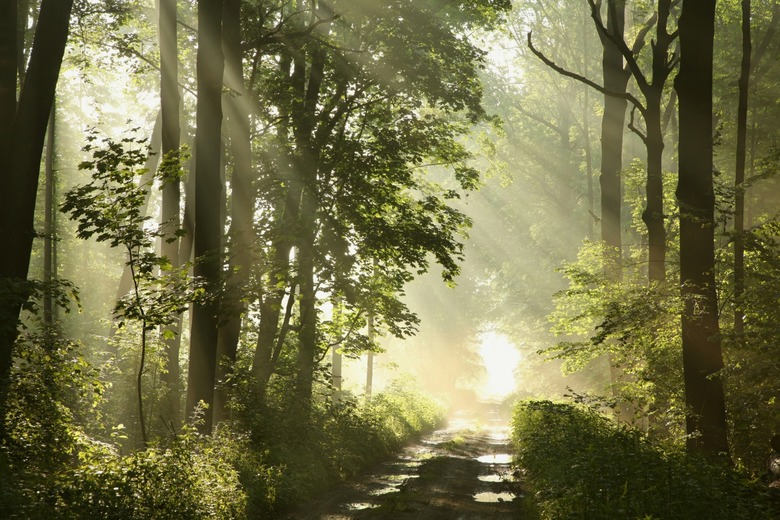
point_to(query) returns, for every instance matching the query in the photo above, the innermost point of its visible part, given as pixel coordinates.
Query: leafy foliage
(580, 464)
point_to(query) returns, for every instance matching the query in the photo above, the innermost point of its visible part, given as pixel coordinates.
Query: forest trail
(462, 472)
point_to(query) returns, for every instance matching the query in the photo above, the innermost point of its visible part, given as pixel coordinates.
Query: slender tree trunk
(337, 365)
(20, 162)
(739, 175)
(242, 200)
(702, 357)
(48, 234)
(370, 356)
(208, 192)
(171, 196)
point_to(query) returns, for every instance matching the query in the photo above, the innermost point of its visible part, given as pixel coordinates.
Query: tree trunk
(653, 215)
(702, 357)
(20, 163)
(370, 356)
(49, 244)
(739, 174)
(242, 201)
(171, 197)
(208, 192)
(307, 165)
(8, 69)
(612, 125)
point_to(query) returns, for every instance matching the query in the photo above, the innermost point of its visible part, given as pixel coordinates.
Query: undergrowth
(581, 464)
(262, 463)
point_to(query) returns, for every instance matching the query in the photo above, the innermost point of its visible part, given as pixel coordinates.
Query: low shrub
(582, 465)
(192, 479)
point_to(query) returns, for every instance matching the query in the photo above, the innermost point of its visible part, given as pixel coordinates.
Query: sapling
(110, 209)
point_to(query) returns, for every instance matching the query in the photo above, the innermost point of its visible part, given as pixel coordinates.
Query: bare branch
(276, 37)
(582, 79)
(634, 128)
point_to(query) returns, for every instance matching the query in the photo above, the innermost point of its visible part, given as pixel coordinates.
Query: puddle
(494, 497)
(395, 478)
(497, 478)
(384, 491)
(359, 506)
(496, 458)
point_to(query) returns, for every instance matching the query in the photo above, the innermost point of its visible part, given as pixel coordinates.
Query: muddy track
(462, 472)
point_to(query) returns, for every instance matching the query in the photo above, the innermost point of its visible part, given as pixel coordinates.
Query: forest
(422, 259)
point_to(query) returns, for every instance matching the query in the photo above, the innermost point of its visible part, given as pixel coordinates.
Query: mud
(462, 472)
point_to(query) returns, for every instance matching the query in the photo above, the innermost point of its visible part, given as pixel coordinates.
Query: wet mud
(461, 472)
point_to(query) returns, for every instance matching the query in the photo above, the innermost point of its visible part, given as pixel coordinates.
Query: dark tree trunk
(739, 174)
(8, 69)
(21, 160)
(171, 197)
(241, 201)
(208, 192)
(308, 159)
(612, 125)
(702, 357)
(653, 215)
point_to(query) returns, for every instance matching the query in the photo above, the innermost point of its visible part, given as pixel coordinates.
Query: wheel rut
(461, 472)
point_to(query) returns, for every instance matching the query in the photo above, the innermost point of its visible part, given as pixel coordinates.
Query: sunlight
(500, 357)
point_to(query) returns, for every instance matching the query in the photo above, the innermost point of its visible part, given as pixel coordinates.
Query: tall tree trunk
(612, 126)
(739, 174)
(171, 196)
(269, 344)
(20, 163)
(208, 192)
(702, 357)
(308, 160)
(241, 201)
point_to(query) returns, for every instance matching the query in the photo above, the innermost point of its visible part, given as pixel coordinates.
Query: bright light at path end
(500, 358)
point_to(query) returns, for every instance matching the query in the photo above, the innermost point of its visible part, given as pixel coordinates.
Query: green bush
(192, 479)
(582, 465)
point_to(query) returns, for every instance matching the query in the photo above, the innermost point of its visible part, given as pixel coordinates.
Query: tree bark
(48, 234)
(739, 173)
(20, 165)
(241, 201)
(308, 160)
(702, 357)
(171, 196)
(208, 192)
(612, 125)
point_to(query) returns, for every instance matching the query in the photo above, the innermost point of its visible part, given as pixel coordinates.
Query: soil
(462, 472)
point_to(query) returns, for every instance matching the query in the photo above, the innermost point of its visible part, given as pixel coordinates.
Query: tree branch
(582, 79)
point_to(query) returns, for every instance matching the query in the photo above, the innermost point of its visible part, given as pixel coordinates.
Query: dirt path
(462, 472)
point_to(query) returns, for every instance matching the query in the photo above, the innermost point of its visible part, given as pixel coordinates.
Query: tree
(171, 204)
(21, 147)
(233, 305)
(208, 224)
(702, 356)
